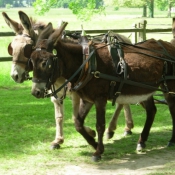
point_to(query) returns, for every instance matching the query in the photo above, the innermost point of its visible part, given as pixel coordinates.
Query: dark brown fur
(141, 68)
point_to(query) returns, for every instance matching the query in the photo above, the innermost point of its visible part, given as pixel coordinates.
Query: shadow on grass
(155, 159)
(121, 155)
(27, 122)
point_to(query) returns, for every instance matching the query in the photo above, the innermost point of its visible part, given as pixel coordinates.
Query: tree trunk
(169, 10)
(144, 11)
(151, 8)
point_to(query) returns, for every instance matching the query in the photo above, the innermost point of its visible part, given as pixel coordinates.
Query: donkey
(148, 66)
(27, 33)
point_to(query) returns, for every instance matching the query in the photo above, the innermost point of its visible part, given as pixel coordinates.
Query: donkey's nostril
(16, 77)
(37, 94)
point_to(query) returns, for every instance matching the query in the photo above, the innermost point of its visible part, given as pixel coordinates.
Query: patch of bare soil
(138, 164)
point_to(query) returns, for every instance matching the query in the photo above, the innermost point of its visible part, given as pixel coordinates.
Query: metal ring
(96, 74)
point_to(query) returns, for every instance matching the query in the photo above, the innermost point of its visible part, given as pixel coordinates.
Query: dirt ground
(139, 164)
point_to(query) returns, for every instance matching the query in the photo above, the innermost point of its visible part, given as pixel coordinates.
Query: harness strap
(18, 61)
(121, 69)
(62, 97)
(154, 51)
(27, 76)
(75, 73)
(118, 92)
(51, 79)
(97, 74)
(36, 80)
(86, 72)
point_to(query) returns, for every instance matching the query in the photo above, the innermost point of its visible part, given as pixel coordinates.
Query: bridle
(27, 67)
(26, 63)
(52, 63)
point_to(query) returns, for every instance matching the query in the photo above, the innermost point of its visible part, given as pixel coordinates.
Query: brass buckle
(117, 93)
(113, 83)
(96, 74)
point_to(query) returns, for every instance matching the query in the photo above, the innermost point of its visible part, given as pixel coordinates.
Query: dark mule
(26, 34)
(149, 64)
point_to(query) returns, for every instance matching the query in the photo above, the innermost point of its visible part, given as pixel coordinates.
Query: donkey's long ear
(25, 21)
(17, 28)
(53, 39)
(48, 30)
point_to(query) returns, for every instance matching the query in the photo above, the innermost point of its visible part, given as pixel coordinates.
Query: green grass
(27, 124)
(27, 127)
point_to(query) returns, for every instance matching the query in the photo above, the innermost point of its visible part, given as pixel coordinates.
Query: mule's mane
(70, 41)
(70, 44)
(36, 25)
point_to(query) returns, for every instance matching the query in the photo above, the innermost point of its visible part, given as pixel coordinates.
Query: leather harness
(88, 70)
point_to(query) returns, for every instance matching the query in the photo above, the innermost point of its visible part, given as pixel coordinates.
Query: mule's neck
(71, 57)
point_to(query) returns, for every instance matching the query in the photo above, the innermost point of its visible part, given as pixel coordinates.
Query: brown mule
(150, 65)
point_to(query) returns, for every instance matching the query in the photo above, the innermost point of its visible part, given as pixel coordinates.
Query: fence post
(173, 27)
(134, 34)
(142, 35)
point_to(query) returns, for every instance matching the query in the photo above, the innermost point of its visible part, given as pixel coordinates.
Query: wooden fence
(138, 33)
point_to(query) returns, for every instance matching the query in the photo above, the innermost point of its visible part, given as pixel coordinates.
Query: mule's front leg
(100, 105)
(59, 114)
(79, 122)
(76, 103)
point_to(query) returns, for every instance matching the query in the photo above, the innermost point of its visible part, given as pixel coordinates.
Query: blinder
(52, 59)
(49, 63)
(49, 67)
(29, 64)
(28, 50)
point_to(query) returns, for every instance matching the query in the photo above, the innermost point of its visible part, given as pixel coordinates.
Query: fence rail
(138, 32)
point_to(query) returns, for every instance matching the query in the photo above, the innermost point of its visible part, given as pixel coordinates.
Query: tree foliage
(86, 9)
(43, 6)
(83, 9)
(129, 3)
(63, 3)
(4, 2)
(164, 4)
(15, 3)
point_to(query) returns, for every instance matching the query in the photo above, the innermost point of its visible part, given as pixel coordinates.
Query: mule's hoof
(109, 135)
(96, 158)
(140, 147)
(55, 146)
(127, 133)
(170, 144)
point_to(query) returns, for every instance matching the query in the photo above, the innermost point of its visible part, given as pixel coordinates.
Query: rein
(26, 63)
(154, 51)
(68, 80)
